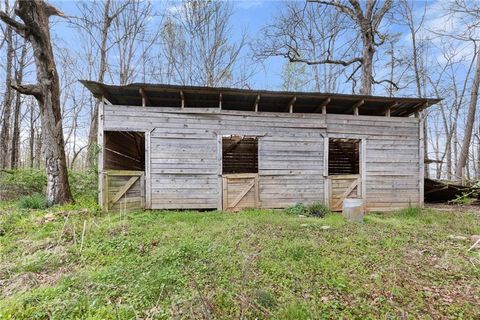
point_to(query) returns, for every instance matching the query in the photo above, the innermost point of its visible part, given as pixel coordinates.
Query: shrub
(83, 183)
(318, 209)
(36, 201)
(297, 209)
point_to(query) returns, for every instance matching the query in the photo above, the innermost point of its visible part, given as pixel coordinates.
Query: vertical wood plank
(325, 155)
(257, 195)
(225, 193)
(101, 150)
(363, 171)
(106, 198)
(142, 190)
(421, 163)
(219, 173)
(326, 184)
(148, 175)
(329, 193)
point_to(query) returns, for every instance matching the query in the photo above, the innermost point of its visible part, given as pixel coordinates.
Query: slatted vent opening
(343, 156)
(239, 154)
(124, 150)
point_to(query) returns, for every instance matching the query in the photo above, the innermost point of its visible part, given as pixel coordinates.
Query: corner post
(326, 181)
(148, 181)
(363, 172)
(421, 160)
(100, 142)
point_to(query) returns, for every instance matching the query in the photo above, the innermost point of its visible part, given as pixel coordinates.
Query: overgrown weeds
(316, 209)
(17, 184)
(36, 201)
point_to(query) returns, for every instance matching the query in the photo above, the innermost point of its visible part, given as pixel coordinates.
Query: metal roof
(165, 95)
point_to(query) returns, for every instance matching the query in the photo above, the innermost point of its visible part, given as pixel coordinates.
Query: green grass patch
(72, 262)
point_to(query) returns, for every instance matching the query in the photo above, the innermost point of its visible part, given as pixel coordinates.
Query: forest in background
(395, 48)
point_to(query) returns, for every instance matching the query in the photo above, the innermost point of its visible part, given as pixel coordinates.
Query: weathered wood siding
(392, 157)
(184, 147)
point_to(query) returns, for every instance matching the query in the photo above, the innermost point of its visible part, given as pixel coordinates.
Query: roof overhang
(165, 95)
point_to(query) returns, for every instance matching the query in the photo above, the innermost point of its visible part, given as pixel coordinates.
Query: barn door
(344, 186)
(240, 191)
(346, 169)
(124, 190)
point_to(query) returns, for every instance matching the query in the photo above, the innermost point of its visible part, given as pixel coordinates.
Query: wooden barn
(182, 147)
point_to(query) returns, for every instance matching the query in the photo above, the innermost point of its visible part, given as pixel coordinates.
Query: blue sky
(248, 16)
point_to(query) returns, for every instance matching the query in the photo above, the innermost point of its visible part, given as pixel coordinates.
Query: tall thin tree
(35, 28)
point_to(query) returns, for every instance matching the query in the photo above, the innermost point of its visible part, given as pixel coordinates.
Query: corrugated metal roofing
(165, 95)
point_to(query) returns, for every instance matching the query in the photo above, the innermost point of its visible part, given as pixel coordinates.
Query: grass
(253, 264)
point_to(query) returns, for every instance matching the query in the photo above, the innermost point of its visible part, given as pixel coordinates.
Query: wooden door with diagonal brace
(240, 191)
(124, 190)
(343, 186)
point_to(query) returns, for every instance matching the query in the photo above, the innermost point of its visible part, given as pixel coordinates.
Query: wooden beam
(183, 99)
(323, 106)
(355, 107)
(220, 101)
(145, 100)
(105, 101)
(388, 110)
(290, 105)
(256, 103)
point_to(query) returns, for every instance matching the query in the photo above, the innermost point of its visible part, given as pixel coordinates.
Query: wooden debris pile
(443, 191)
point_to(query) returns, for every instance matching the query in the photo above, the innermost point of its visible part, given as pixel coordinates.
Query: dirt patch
(454, 207)
(29, 280)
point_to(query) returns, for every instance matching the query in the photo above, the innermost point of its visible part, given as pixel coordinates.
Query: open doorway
(240, 172)
(124, 171)
(124, 150)
(343, 171)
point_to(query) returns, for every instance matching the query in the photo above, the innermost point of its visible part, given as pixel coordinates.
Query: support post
(363, 171)
(421, 160)
(148, 181)
(323, 106)
(355, 107)
(219, 174)
(183, 99)
(100, 142)
(145, 100)
(256, 103)
(290, 105)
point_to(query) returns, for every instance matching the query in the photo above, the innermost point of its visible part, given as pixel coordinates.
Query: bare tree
(8, 97)
(197, 43)
(15, 152)
(35, 27)
(367, 21)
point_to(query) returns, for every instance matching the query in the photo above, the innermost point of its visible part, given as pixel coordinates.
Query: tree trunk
(92, 135)
(367, 64)
(35, 14)
(467, 138)
(15, 154)
(7, 100)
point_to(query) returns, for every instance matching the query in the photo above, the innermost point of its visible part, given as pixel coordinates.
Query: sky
(248, 16)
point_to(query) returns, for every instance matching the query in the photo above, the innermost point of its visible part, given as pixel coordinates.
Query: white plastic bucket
(353, 209)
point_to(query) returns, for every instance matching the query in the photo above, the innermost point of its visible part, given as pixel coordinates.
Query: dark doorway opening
(343, 156)
(239, 154)
(124, 150)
